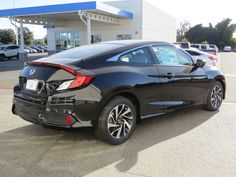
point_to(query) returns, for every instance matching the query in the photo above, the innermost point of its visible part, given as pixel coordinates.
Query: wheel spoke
(111, 125)
(119, 132)
(120, 121)
(127, 124)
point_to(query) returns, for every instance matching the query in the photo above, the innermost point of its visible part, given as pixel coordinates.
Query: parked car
(31, 50)
(26, 50)
(113, 85)
(213, 49)
(197, 54)
(227, 49)
(9, 51)
(213, 46)
(183, 45)
(38, 49)
(43, 48)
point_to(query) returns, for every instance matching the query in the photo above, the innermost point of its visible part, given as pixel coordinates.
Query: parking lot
(187, 143)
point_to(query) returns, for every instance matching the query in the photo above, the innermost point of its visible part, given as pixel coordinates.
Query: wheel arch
(222, 80)
(126, 93)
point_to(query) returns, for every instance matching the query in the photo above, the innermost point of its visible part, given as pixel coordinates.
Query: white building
(79, 23)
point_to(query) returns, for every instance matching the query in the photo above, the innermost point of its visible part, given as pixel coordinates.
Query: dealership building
(78, 23)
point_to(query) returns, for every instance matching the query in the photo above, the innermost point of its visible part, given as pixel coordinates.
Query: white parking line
(230, 75)
(229, 103)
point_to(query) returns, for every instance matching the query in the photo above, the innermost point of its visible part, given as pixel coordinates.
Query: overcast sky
(200, 11)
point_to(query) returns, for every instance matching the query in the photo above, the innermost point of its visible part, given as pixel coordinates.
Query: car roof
(199, 51)
(135, 42)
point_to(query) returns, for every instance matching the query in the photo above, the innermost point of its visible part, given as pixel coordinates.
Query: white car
(9, 51)
(227, 49)
(197, 54)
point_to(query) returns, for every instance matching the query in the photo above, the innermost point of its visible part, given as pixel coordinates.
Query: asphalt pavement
(186, 143)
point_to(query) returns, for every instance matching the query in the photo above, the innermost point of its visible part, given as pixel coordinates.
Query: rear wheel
(2, 56)
(215, 97)
(116, 121)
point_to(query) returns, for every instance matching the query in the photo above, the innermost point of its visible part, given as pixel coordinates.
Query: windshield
(2, 47)
(85, 51)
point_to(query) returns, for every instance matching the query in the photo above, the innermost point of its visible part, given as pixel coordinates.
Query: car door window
(138, 56)
(168, 55)
(193, 53)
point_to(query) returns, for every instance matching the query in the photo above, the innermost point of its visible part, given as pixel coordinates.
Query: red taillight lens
(211, 58)
(214, 53)
(80, 80)
(68, 120)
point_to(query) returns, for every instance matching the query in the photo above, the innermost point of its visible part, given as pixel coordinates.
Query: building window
(66, 40)
(96, 38)
(124, 37)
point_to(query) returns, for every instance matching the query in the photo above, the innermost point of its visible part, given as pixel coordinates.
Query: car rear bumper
(42, 115)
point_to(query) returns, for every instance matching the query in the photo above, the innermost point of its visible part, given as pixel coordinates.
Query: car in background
(213, 46)
(26, 50)
(206, 48)
(31, 50)
(197, 54)
(43, 48)
(227, 49)
(113, 85)
(38, 49)
(9, 51)
(183, 45)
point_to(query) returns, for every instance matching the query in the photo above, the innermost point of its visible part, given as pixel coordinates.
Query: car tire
(117, 121)
(2, 56)
(215, 96)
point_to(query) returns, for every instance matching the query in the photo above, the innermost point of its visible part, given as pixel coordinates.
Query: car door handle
(169, 75)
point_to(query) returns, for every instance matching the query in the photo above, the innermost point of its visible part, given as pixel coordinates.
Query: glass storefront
(66, 40)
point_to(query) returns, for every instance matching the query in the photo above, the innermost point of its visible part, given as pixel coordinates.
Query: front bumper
(42, 115)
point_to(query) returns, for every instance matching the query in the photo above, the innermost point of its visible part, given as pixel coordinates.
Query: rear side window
(82, 52)
(139, 56)
(195, 46)
(193, 53)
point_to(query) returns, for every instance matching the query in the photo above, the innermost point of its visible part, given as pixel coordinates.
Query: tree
(28, 36)
(183, 28)
(220, 35)
(7, 36)
(225, 32)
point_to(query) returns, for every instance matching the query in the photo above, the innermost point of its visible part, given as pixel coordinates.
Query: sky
(196, 12)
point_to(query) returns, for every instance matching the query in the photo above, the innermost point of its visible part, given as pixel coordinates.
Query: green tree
(41, 43)
(225, 32)
(7, 36)
(28, 36)
(220, 35)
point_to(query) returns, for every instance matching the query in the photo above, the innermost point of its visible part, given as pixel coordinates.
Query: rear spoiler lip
(69, 68)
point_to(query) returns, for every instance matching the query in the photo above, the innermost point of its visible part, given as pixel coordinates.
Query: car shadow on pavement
(32, 150)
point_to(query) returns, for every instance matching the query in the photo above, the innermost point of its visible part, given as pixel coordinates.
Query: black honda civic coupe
(113, 85)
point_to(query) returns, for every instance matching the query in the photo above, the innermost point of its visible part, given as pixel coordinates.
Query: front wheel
(215, 96)
(116, 121)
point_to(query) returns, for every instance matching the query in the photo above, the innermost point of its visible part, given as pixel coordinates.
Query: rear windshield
(85, 51)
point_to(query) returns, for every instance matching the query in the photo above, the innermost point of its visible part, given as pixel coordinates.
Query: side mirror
(200, 63)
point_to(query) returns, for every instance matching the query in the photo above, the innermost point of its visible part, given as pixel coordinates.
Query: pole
(22, 54)
(88, 30)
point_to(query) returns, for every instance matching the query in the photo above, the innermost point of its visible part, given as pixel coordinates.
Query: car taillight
(215, 53)
(211, 58)
(80, 80)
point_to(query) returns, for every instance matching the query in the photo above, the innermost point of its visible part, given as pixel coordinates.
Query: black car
(113, 85)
